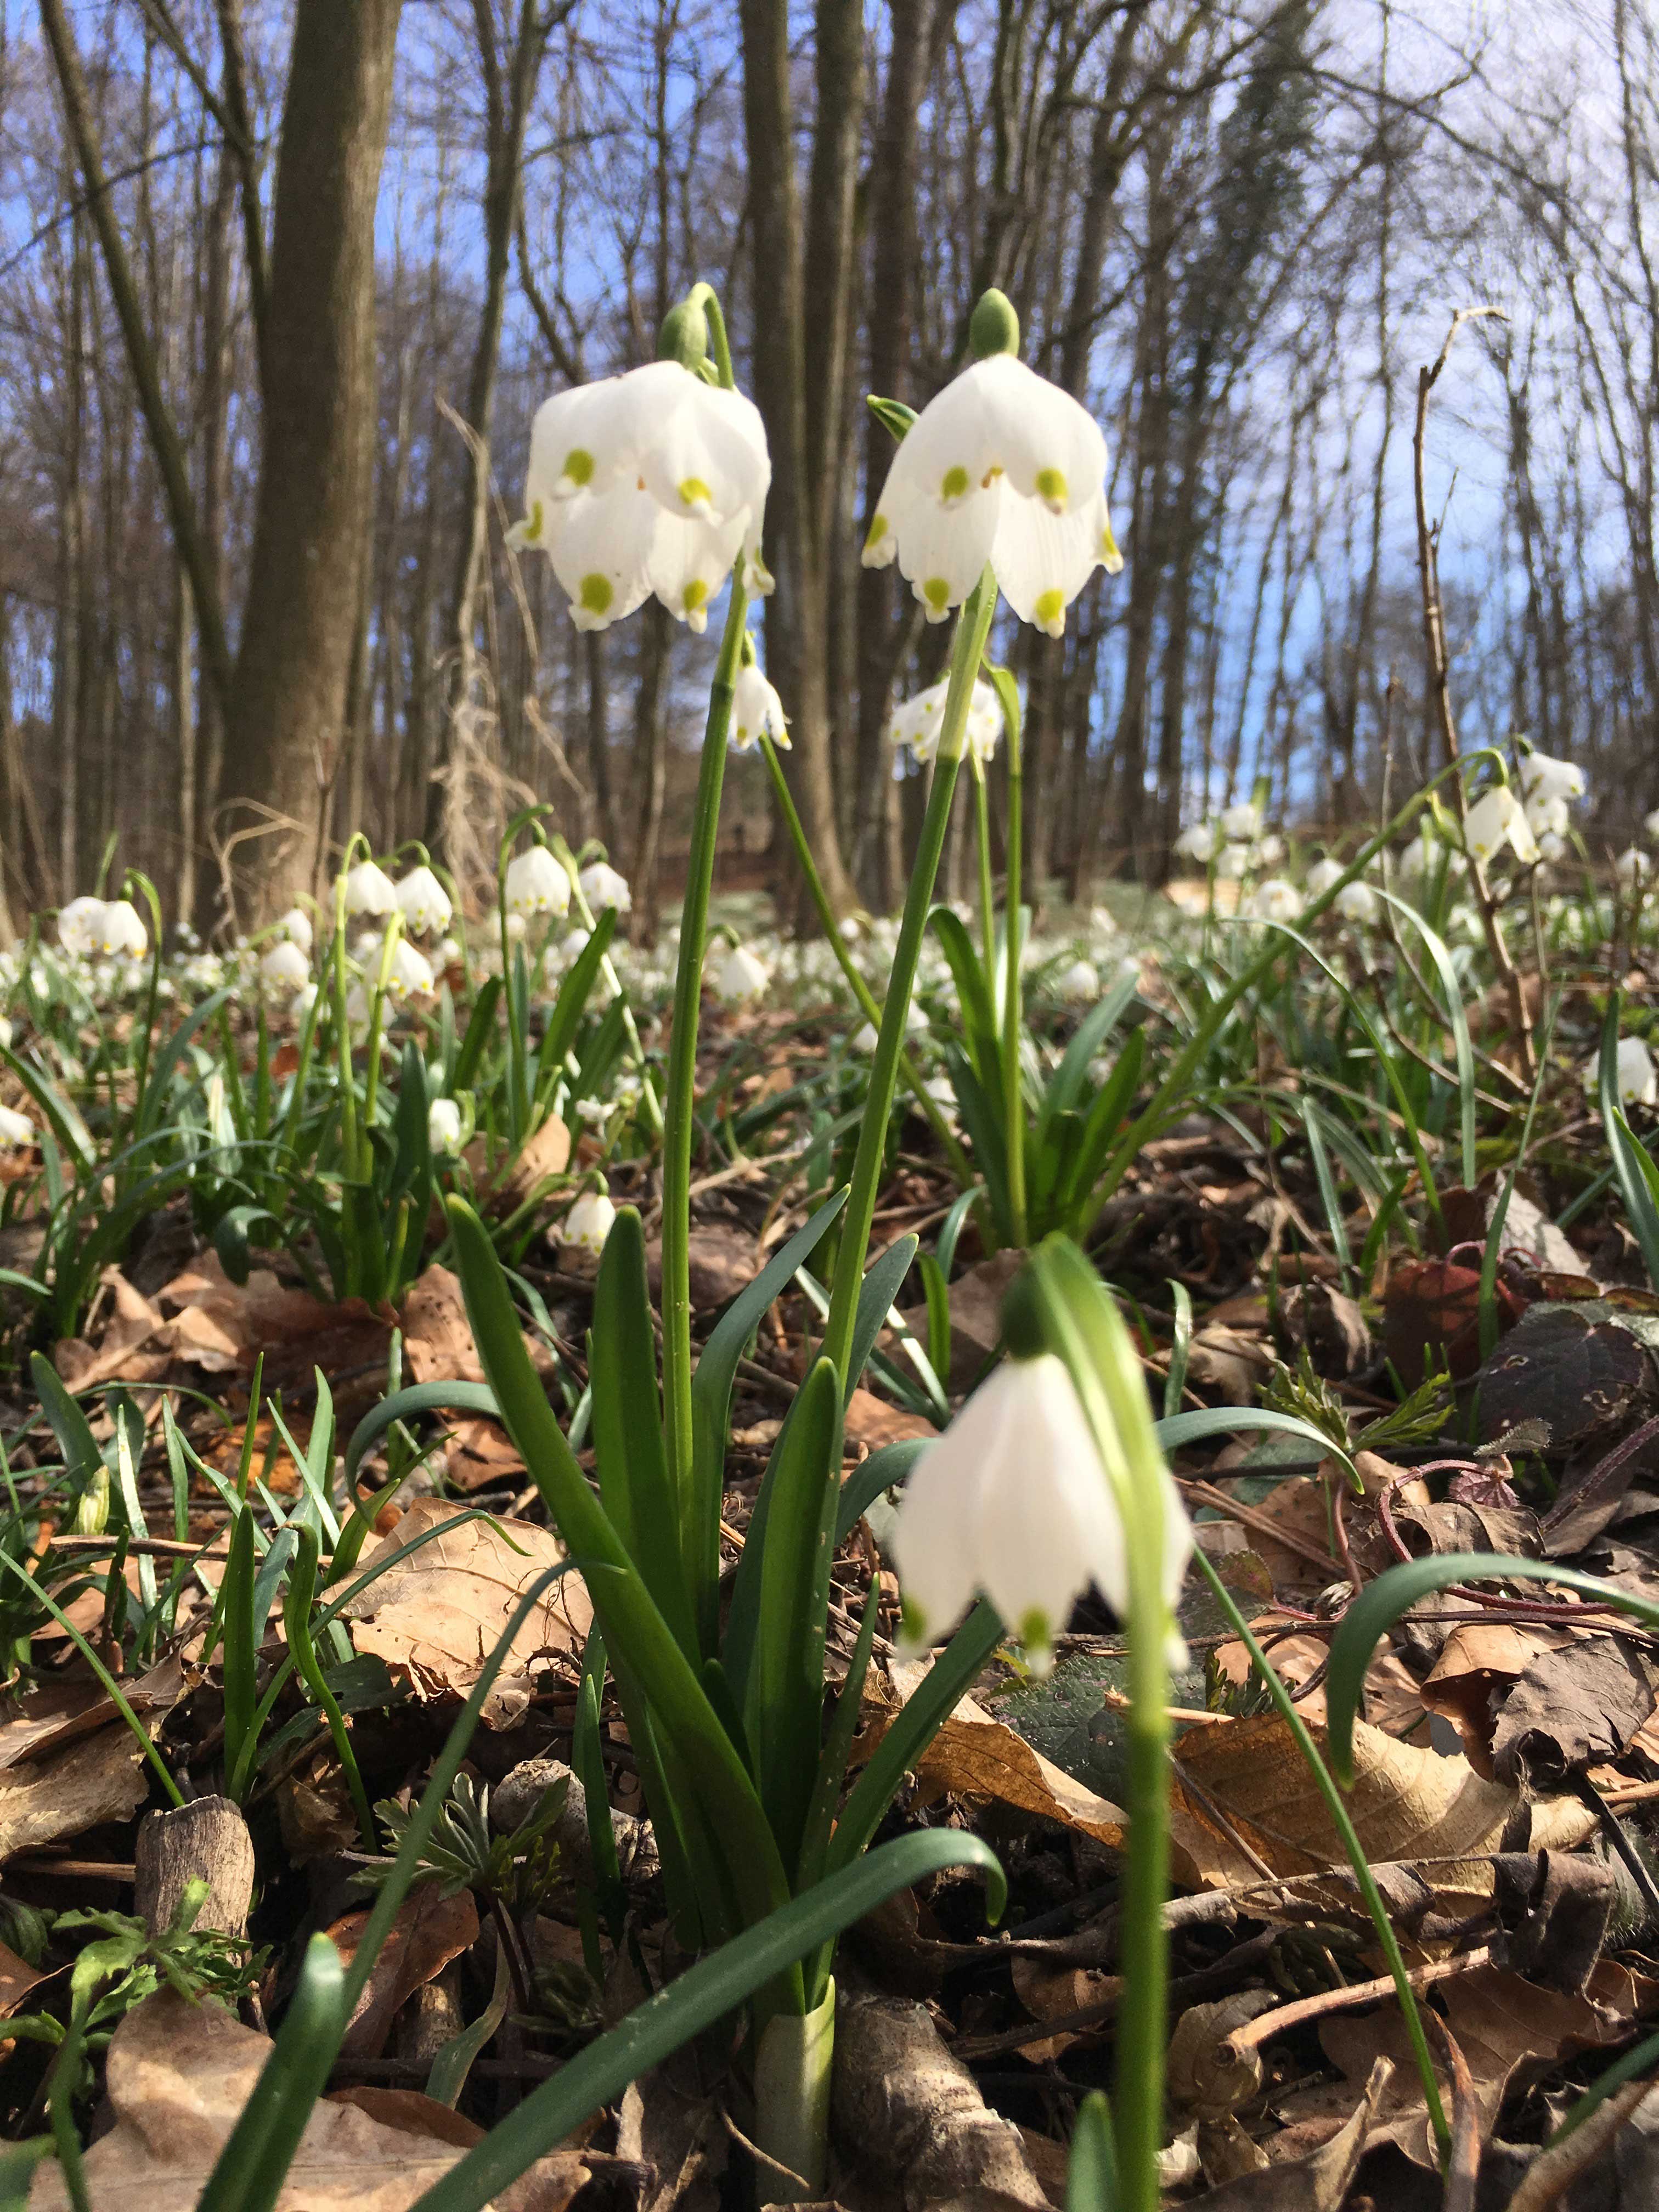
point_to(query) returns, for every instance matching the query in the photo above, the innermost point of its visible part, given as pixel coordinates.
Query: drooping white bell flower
(1013, 1500)
(741, 976)
(1552, 847)
(1633, 866)
(295, 928)
(1270, 851)
(1422, 856)
(5, 1031)
(1197, 843)
(424, 901)
(1635, 1073)
(443, 1125)
(605, 886)
(284, 967)
(300, 1004)
(536, 882)
(1000, 466)
(80, 927)
(1242, 820)
(757, 713)
(651, 481)
(366, 947)
(16, 1128)
(1651, 824)
(1322, 874)
(409, 972)
(369, 889)
(1547, 816)
(589, 1222)
(1233, 863)
(1497, 818)
(1276, 900)
(1080, 982)
(917, 722)
(120, 931)
(1358, 901)
(1543, 778)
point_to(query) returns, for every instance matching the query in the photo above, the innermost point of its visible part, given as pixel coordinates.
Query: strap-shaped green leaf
(571, 1003)
(979, 1019)
(886, 1469)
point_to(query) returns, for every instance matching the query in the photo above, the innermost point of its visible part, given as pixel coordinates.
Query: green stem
(855, 982)
(680, 1087)
(1373, 1897)
(342, 1026)
(1137, 2101)
(630, 1027)
(1013, 1103)
(973, 628)
(988, 922)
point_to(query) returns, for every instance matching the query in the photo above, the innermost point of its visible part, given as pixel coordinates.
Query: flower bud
(684, 335)
(994, 326)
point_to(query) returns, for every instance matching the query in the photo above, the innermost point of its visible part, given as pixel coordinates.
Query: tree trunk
(288, 698)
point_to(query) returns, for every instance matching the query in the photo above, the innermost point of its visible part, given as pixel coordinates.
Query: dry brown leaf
(103, 1778)
(1049, 1990)
(178, 2076)
(124, 1347)
(1477, 1663)
(17, 1978)
(974, 1756)
(434, 1617)
(224, 1327)
(870, 1420)
(544, 1154)
(481, 1451)
(1408, 1803)
(1319, 2182)
(59, 1714)
(430, 1930)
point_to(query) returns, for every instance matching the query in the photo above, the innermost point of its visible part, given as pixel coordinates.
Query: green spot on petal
(1051, 486)
(1050, 611)
(596, 593)
(937, 592)
(697, 594)
(694, 492)
(877, 531)
(955, 482)
(579, 465)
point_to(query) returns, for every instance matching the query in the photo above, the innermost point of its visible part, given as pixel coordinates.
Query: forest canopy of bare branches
(1234, 228)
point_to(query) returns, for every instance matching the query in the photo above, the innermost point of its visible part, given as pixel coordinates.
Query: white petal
(930, 1546)
(1050, 448)
(943, 550)
(599, 544)
(704, 453)
(1042, 561)
(689, 560)
(578, 442)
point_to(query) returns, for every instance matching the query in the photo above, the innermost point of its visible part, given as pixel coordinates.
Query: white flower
(1241, 821)
(536, 882)
(1276, 900)
(589, 1222)
(1497, 818)
(1080, 980)
(603, 886)
(1651, 824)
(16, 1128)
(1197, 843)
(295, 927)
(864, 1039)
(917, 722)
(1547, 818)
(284, 967)
(448, 952)
(1551, 847)
(5, 1031)
(650, 482)
(366, 947)
(1637, 1075)
(410, 971)
(301, 1003)
(1322, 875)
(1013, 1500)
(119, 930)
(756, 712)
(1633, 867)
(1000, 466)
(741, 976)
(424, 901)
(1358, 901)
(443, 1125)
(1543, 779)
(1233, 864)
(80, 927)
(1271, 851)
(1422, 856)
(369, 889)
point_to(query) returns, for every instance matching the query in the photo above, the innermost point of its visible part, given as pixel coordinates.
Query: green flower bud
(1021, 1318)
(995, 327)
(684, 336)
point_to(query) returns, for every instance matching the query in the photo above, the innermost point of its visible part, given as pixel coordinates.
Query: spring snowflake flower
(652, 482)
(536, 882)
(1633, 867)
(284, 967)
(424, 901)
(1547, 818)
(121, 931)
(741, 976)
(589, 1222)
(369, 889)
(410, 974)
(16, 1128)
(443, 1126)
(1234, 863)
(1013, 1500)
(1271, 850)
(1000, 466)
(1197, 843)
(1635, 1073)
(80, 927)
(1276, 901)
(1243, 821)
(295, 928)
(1551, 847)
(917, 722)
(300, 1004)
(1651, 824)
(605, 886)
(757, 713)
(1543, 779)
(1080, 982)
(1422, 856)
(1497, 818)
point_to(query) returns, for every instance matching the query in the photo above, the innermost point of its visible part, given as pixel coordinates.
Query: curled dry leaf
(430, 1931)
(101, 1778)
(1245, 1784)
(178, 2076)
(434, 1617)
(1317, 2182)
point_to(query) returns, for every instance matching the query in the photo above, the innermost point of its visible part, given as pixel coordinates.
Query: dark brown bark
(288, 704)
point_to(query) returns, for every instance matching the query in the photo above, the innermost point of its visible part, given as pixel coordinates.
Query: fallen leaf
(434, 1617)
(1408, 1802)
(430, 1930)
(61, 1712)
(544, 1154)
(103, 1778)
(976, 1298)
(871, 1421)
(17, 1978)
(120, 1349)
(1317, 2182)
(480, 1452)
(974, 1756)
(178, 2077)
(437, 1336)
(1571, 1709)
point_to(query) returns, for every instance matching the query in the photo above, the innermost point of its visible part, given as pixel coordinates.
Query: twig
(1267, 2025)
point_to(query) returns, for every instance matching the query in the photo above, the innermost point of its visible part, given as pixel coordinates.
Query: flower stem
(630, 1027)
(973, 628)
(988, 919)
(1013, 1103)
(680, 1085)
(1138, 2099)
(855, 982)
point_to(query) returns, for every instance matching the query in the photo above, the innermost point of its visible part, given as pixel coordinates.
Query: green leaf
(706, 1993)
(979, 1021)
(1176, 1431)
(886, 1469)
(877, 1292)
(1092, 2169)
(240, 1648)
(571, 1003)
(81, 1456)
(248, 2174)
(453, 2062)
